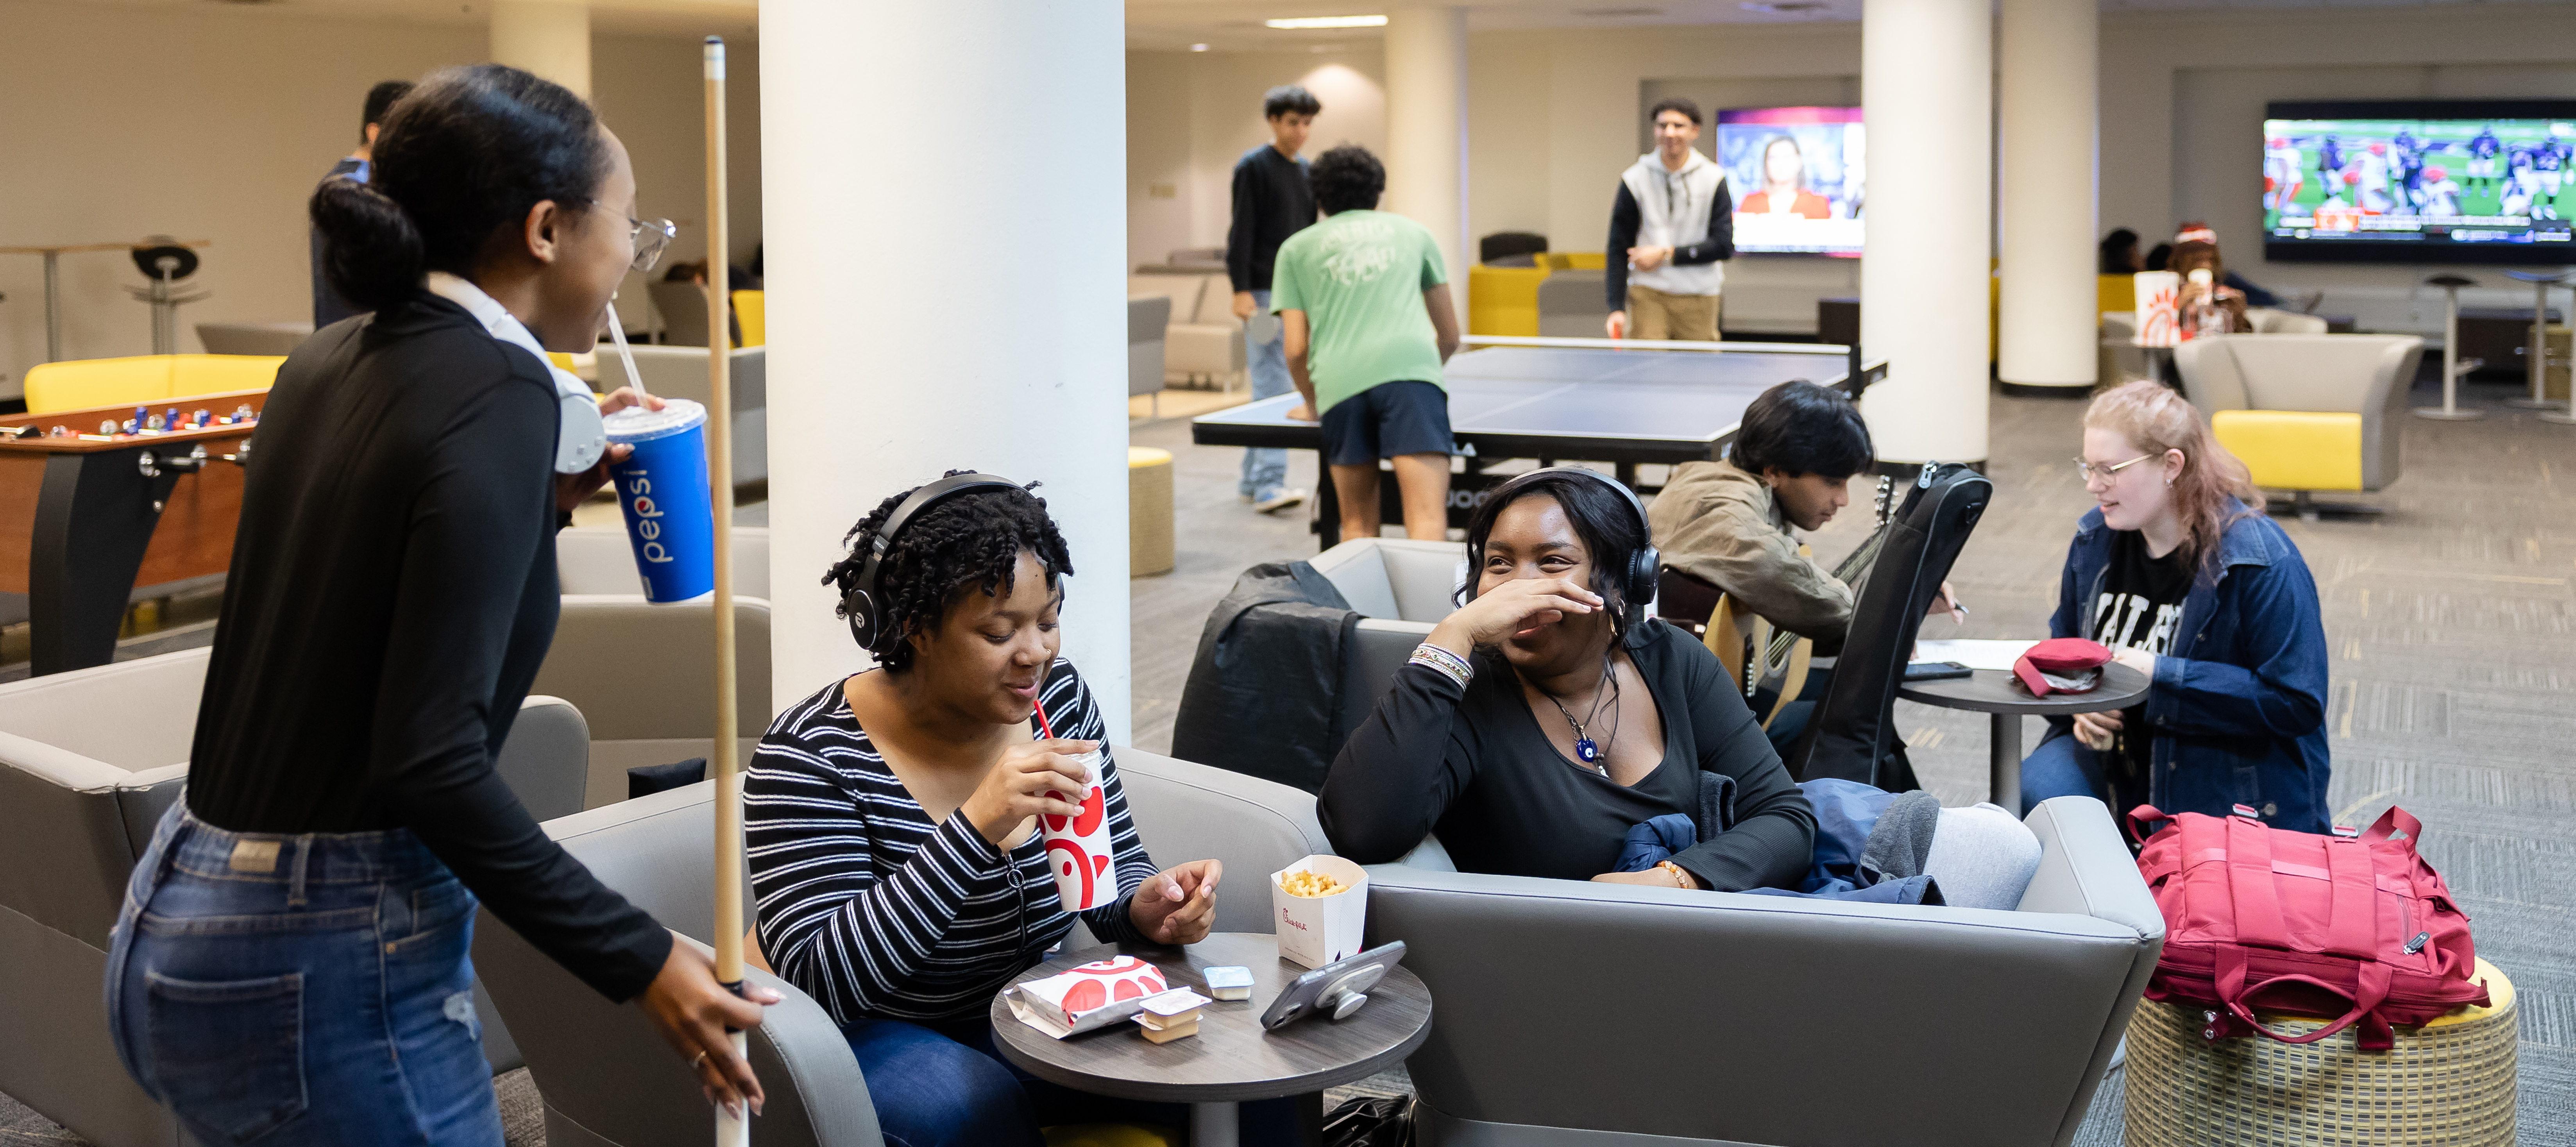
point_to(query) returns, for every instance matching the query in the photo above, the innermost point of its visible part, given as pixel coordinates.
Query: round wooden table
(1231, 1059)
(1995, 691)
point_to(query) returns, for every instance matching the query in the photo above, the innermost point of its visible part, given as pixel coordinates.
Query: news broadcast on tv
(2417, 186)
(1796, 174)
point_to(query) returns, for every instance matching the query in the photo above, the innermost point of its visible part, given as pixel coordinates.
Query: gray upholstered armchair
(1608, 1015)
(608, 1081)
(640, 672)
(2306, 412)
(90, 762)
(1400, 588)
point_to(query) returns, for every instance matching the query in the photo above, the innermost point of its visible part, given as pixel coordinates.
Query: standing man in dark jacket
(1271, 203)
(328, 306)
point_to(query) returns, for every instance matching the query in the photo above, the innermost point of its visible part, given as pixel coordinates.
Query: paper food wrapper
(2159, 304)
(1078, 847)
(1317, 930)
(1090, 996)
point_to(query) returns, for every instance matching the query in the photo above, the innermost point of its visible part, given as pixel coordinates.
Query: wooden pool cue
(731, 1130)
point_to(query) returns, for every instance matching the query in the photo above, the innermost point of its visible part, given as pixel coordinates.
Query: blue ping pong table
(1557, 400)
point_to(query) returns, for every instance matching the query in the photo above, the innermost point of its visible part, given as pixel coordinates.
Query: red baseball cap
(2061, 665)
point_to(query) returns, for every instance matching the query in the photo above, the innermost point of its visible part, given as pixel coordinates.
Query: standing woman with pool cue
(291, 963)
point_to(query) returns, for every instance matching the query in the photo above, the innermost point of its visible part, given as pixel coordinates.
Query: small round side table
(1994, 691)
(1231, 1059)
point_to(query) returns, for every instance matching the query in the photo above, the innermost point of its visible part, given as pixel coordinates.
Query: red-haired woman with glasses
(2178, 571)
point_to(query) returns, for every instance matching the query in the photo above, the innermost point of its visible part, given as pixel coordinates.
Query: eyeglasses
(651, 237)
(2087, 470)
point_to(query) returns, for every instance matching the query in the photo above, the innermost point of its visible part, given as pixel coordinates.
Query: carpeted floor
(2451, 618)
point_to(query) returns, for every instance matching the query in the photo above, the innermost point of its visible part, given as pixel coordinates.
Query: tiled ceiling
(1236, 25)
(654, 17)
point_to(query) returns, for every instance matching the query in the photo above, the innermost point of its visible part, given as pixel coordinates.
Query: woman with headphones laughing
(892, 818)
(1546, 717)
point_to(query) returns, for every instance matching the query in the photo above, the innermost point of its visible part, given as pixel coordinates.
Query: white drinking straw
(617, 334)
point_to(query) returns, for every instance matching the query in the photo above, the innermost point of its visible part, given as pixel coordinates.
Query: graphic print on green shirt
(1359, 276)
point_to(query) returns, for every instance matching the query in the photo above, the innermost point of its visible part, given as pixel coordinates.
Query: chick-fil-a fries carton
(1319, 905)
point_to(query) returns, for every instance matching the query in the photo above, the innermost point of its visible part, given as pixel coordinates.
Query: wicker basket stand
(2449, 1082)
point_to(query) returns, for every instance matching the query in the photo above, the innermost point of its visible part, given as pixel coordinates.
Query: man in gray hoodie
(1671, 225)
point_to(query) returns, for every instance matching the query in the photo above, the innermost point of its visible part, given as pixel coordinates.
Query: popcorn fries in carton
(1320, 905)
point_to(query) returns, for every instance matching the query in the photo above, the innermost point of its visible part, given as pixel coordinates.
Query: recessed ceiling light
(1783, 7)
(1328, 22)
(1198, 47)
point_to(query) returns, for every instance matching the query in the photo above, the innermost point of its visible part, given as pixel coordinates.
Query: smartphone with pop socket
(1336, 989)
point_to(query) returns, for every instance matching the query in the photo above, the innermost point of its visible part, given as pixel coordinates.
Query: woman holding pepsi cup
(922, 832)
(291, 963)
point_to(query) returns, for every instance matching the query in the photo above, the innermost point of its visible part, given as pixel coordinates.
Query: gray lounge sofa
(1602, 1015)
(608, 1080)
(89, 760)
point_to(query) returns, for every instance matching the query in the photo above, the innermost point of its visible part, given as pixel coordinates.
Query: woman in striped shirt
(892, 822)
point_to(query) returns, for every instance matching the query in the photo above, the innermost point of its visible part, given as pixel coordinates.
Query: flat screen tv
(1796, 177)
(2419, 181)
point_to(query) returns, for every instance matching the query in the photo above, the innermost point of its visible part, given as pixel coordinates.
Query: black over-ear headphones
(1637, 582)
(861, 602)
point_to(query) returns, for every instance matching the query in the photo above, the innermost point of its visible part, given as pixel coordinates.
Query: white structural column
(1001, 344)
(1927, 84)
(2048, 91)
(1426, 129)
(547, 38)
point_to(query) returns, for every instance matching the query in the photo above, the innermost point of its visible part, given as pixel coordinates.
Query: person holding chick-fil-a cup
(922, 832)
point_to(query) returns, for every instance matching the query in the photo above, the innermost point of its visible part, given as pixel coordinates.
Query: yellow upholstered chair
(1502, 300)
(2306, 413)
(2115, 293)
(141, 380)
(751, 312)
(1573, 260)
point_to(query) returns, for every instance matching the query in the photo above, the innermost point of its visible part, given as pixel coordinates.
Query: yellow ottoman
(2449, 1082)
(1149, 511)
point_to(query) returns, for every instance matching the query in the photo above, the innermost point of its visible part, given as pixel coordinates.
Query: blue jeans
(2062, 767)
(296, 990)
(1265, 468)
(943, 1085)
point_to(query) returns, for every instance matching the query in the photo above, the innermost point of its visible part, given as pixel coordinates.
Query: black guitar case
(1853, 734)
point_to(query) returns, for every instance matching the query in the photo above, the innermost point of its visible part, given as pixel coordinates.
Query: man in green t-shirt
(1364, 300)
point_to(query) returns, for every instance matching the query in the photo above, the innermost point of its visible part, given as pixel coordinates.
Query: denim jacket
(2237, 709)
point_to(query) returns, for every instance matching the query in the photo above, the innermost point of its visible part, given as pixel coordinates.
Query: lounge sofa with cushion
(78, 384)
(90, 761)
(1203, 344)
(1606, 1015)
(2307, 413)
(642, 673)
(609, 1081)
(681, 372)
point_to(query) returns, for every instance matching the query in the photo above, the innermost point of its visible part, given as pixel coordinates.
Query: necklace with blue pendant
(1586, 749)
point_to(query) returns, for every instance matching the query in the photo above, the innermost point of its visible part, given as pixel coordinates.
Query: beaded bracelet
(1454, 666)
(1679, 875)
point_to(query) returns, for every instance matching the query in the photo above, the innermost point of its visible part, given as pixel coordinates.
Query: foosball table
(94, 502)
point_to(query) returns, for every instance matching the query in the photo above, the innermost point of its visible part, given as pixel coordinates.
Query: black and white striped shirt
(876, 912)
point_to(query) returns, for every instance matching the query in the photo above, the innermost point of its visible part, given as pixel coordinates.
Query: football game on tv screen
(2431, 181)
(1795, 174)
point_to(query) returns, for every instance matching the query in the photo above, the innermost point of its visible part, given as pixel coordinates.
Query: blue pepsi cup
(662, 487)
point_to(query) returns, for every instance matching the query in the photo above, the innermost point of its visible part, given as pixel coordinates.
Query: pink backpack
(2352, 927)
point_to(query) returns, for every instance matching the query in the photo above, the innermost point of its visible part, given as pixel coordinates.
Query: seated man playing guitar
(1724, 528)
